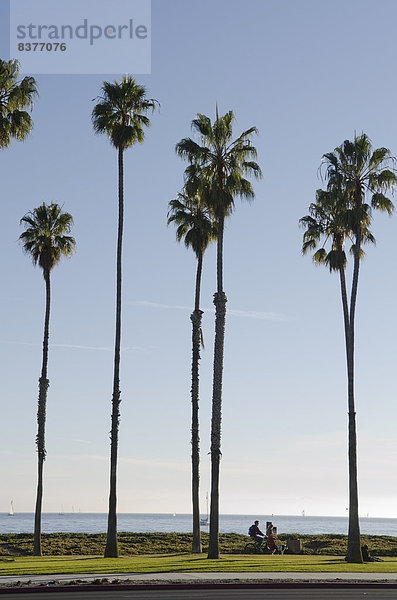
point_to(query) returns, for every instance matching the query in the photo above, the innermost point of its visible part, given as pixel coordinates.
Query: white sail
(11, 513)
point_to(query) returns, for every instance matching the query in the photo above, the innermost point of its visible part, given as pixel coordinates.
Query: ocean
(181, 523)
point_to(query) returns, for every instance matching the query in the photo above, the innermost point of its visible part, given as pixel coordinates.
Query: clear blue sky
(308, 76)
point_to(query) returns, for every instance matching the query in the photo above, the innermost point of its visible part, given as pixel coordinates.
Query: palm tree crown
(219, 164)
(45, 237)
(357, 169)
(120, 113)
(15, 121)
(330, 221)
(194, 222)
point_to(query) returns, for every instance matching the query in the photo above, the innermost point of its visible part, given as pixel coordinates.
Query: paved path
(175, 578)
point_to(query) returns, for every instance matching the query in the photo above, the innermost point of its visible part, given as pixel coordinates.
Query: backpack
(251, 530)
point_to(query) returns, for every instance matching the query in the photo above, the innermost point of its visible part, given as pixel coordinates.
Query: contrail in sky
(247, 314)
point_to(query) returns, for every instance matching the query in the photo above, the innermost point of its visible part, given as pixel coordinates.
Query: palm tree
(121, 115)
(353, 170)
(196, 226)
(15, 96)
(45, 239)
(218, 166)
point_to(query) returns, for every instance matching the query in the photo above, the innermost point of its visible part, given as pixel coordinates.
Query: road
(369, 593)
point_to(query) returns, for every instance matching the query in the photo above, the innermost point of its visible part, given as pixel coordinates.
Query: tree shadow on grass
(336, 561)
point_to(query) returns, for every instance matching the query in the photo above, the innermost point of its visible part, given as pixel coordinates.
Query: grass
(188, 563)
(72, 553)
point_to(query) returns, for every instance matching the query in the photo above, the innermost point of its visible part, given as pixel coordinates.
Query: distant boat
(303, 513)
(11, 512)
(205, 521)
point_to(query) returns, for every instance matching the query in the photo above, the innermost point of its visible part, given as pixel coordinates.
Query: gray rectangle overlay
(81, 36)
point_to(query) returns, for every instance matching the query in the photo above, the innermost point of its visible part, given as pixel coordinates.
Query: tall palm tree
(45, 239)
(353, 170)
(121, 115)
(197, 228)
(218, 165)
(15, 97)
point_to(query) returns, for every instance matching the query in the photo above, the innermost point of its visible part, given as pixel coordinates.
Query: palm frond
(380, 202)
(15, 97)
(191, 151)
(353, 251)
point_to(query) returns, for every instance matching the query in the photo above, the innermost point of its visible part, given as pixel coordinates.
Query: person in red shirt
(271, 538)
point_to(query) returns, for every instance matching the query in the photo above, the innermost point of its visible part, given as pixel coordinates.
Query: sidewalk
(29, 581)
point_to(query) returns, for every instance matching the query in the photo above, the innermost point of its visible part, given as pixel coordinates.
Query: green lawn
(173, 563)
(72, 553)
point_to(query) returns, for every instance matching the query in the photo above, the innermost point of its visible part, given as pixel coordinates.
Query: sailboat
(11, 512)
(205, 521)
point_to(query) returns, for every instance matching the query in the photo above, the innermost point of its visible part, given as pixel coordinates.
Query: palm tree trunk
(111, 549)
(354, 554)
(41, 418)
(196, 317)
(220, 320)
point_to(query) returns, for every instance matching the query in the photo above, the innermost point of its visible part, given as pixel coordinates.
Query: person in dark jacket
(256, 534)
